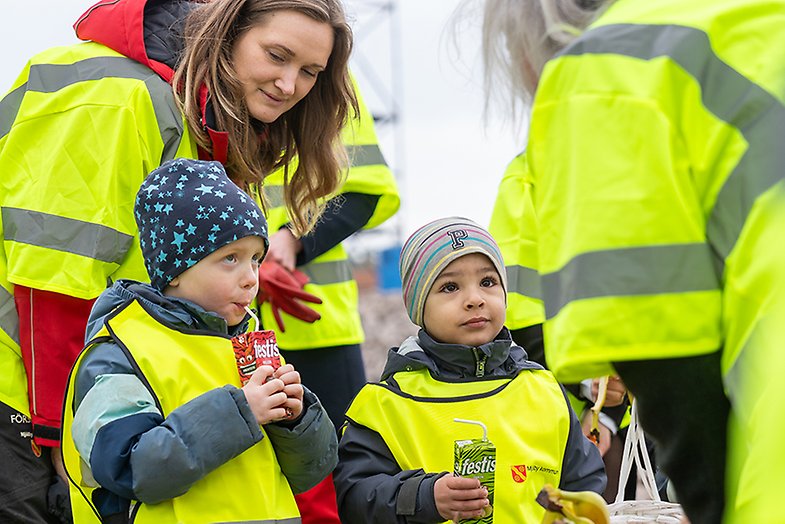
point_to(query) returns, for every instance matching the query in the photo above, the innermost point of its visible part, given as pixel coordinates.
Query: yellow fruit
(579, 507)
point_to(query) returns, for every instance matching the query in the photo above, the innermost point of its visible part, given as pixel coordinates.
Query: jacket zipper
(480, 358)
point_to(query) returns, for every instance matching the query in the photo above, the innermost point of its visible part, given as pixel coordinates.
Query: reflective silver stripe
(324, 273)
(524, 281)
(733, 98)
(65, 234)
(9, 108)
(9, 319)
(649, 270)
(367, 155)
(274, 195)
(49, 78)
(170, 123)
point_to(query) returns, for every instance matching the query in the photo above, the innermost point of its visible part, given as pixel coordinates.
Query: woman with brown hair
(251, 83)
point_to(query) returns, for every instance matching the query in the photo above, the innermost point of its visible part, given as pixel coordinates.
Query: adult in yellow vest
(84, 124)
(397, 447)
(651, 151)
(514, 226)
(327, 352)
(157, 426)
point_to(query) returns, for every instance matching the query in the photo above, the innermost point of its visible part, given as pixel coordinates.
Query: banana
(576, 507)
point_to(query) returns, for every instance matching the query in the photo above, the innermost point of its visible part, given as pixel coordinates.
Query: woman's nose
(286, 82)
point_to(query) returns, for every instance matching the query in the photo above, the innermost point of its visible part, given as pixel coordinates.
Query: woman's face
(278, 60)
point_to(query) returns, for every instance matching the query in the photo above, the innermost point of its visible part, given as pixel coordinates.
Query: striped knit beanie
(431, 248)
(185, 210)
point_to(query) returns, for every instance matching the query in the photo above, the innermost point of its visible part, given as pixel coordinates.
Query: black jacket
(372, 488)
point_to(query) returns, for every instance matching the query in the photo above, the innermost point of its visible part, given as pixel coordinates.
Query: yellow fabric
(340, 323)
(656, 169)
(514, 227)
(250, 487)
(13, 379)
(648, 179)
(102, 127)
(417, 425)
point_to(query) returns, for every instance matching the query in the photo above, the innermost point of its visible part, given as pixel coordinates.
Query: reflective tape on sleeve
(649, 270)
(729, 95)
(65, 234)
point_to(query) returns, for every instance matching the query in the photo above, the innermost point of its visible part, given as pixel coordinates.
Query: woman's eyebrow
(292, 54)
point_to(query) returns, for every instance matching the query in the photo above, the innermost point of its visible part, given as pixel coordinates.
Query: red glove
(283, 289)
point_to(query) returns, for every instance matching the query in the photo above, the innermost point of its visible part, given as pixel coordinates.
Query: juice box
(476, 458)
(253, 350)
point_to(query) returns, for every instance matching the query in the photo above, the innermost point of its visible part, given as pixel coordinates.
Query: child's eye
(488, 282)
(230, 258)
(449, 287)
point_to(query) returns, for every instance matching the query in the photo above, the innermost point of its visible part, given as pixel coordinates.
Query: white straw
(254, 317)
(476, 422)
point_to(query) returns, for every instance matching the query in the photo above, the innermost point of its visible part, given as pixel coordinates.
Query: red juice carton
(253, 350)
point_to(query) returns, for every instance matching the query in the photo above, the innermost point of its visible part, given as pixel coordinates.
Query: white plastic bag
(653, 510)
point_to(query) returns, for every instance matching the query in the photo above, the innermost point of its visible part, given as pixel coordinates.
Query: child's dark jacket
(193, 439)
(370, 484)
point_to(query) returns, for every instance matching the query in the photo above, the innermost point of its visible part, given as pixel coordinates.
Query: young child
(156, 423)
(396, 450)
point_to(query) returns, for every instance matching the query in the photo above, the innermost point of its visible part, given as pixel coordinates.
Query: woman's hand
(615, 393)
(284, 248)
(605, 436)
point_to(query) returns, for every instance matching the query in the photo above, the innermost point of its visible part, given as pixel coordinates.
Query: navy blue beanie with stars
(185, 210)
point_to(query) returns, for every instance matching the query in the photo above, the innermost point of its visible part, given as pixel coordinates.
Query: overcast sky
(449, 162)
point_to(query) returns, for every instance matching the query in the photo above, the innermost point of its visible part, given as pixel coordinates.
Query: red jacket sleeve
(51, 335)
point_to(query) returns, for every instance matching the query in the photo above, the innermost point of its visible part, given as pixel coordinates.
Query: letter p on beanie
(431, 248)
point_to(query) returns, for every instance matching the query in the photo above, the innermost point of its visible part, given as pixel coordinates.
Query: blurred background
(420, 73)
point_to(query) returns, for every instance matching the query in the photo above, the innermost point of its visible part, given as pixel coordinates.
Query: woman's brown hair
(309, 131)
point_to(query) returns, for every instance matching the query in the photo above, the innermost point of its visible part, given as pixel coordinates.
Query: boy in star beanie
(396, 450)
(159, 418)
(185, 210)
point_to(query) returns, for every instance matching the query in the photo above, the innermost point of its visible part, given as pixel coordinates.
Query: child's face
(225, 281)
(466, 304)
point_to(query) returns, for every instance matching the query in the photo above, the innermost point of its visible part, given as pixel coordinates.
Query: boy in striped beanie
(396, 451)
(435, 246)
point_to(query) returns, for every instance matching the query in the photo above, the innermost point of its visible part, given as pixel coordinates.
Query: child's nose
(250, 276)
(475, 299)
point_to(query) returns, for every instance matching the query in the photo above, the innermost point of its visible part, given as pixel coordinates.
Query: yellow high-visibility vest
(416, 422)
(655, 151)
(80, 129)
(514, 226)
(248, 488)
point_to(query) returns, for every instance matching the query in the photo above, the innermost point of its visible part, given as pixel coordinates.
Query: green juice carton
(476, 458)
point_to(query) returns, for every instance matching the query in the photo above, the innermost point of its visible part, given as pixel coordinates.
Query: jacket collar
(150, 32)
(142, 30)
(501, 357)
(175, 311)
